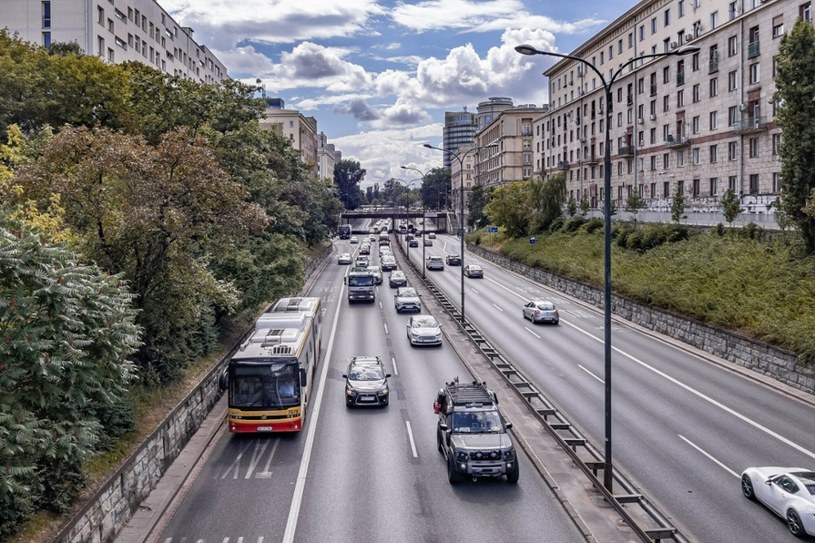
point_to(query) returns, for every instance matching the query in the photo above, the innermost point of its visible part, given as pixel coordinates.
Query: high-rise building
(458, 132)
(327, 157)
(115, 31)
(698, 124)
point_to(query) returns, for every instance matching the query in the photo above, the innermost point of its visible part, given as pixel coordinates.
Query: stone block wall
(759, 357)
(110, 509)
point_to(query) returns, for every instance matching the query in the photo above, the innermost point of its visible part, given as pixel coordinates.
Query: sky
(378, 75)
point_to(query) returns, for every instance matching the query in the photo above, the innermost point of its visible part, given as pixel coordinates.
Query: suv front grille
(486, 455)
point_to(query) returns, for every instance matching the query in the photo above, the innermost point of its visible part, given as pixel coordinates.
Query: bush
(574, 224)
(557, 225)
(752, 231)
(719, 230)
(595, 223)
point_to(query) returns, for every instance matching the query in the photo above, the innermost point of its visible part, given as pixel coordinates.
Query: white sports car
(787, 492)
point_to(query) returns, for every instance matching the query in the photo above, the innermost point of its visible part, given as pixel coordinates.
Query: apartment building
(300, 130)
(459, 129)
(326, 157)
(116, 31)
(699, 124)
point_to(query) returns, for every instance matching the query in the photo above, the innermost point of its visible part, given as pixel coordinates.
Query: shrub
(595, 223)
(719, 230)
(557, 225)
(635, 241)
(752, 231)
(574, 224)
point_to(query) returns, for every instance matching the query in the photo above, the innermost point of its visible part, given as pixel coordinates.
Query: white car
(407, 299)
(787, 492)
(354, 239)
(344, 258)
(424, 330)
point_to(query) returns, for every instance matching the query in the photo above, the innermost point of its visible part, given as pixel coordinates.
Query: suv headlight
(383, 391)
(462, 456)
(509, 454)
(349, 391)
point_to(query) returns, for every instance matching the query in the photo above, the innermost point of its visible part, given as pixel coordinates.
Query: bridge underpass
(362, 221)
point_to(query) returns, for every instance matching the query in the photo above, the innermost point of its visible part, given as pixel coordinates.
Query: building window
(653, 25)
(680, 98)
(714, 20)
(732, 149)
(46, 18)
(732, 46)
(753, 146)
(776, 180)
(695, 156)
(666, 74)
(120, 42)
(100, 16)
(694, 62)
(714, 153)
(805, 11)
(695, 125)
(754, 73)
(714, 87)
(666, 189)
(695, 188)
(680, 6)
(776, 140)
(778, 26)
(110, 25)
(732, 81)
(714, 120)
(695, 93)
(667, 17)
(111, 56)
(666, 103)
(46, 39)
(732, 115)
(714, 181)
(666, 161)
(732, 11)
(753, 183)
(680, 159)
(714, 59)
(100, 46)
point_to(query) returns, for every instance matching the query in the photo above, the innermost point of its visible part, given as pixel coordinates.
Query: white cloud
(383, 152)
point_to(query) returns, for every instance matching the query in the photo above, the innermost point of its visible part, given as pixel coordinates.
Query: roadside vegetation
(143, 220)
(737, 279)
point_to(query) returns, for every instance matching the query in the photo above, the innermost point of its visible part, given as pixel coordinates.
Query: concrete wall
(109, 510)
(762, 358)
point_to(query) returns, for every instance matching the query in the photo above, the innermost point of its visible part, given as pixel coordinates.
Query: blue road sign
(492, 229)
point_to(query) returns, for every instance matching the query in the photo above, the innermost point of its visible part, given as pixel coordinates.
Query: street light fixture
(529, 50)
(460, 159)
(424, 213)
(407, 185)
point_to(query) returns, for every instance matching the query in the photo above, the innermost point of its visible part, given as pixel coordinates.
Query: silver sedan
(541, 311)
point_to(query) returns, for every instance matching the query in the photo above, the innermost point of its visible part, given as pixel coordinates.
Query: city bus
(269, 378)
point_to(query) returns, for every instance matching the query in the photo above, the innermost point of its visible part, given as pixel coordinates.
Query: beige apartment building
(116, 31)
(300, 130)
(698, 124)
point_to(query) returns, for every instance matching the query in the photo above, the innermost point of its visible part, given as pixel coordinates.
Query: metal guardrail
(584, 454)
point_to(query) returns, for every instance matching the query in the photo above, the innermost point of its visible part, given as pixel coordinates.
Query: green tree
(634, 203)
(571, 206)
(585, 205)
(795, 74)
(731, 207)
(677, 205)
(347, 176)
(510, 207)
(479, 198)
(68, 329)
(436, 189)
(548, 198)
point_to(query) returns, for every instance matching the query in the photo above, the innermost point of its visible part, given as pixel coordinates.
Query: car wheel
(794, 523)
(452, 475)
(438, 442)
(556, 323)
(512, 475)
(747, 487)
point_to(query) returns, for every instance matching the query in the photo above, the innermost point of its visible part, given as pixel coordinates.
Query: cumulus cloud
(358, 109)
(474, 16)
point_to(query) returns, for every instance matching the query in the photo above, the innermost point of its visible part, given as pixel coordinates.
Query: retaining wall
(759, 357)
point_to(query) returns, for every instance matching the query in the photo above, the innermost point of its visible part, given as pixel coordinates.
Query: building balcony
(562, 165)
(591, 160)
(626, 150)
(753, 49)
(713, 67)
(680, 79)
(750, 125)
(673, 141)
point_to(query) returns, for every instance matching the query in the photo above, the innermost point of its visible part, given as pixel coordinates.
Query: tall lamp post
(529, 50)
(424, 213)
(460, 159)
(407, 185)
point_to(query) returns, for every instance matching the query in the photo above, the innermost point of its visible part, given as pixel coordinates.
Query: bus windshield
(264, 386)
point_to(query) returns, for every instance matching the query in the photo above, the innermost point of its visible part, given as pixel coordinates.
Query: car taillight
(537, 312)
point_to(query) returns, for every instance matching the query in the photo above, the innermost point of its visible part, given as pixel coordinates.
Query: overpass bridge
(362, 219)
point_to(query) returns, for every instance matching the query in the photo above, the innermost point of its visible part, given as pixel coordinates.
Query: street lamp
(460, 159)
(407, 185)
(424, 213)
(529, 50)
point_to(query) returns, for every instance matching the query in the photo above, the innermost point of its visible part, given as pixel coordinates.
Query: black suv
(453, 260)
(472, 434)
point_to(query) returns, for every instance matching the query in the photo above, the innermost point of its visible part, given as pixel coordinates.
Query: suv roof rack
(473, 395)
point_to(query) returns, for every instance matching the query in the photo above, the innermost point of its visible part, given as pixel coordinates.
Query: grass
(762, 289)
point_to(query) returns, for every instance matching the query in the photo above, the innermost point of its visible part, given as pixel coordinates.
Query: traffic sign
(492, 229)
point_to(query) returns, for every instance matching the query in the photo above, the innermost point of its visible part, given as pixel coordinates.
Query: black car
(366, 382)
(453, 260)
(413, 243)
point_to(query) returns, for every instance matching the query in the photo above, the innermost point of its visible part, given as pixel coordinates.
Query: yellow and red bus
(269, 378)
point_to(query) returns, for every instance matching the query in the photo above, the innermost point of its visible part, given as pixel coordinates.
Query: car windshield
(424, 322)
(360, 280)
(366, 373)
(407, 292)
(476, 422)
(435, 259)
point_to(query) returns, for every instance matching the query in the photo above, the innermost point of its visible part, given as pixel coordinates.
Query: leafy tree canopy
(347, 176)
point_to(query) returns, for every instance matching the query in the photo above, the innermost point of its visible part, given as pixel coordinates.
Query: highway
(365, 475)
(683, 427)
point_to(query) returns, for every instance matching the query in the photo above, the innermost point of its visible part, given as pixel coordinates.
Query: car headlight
(383, 391)
(349, 391)
(509, 454)
(461, 456)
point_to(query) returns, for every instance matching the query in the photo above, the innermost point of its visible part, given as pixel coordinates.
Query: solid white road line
(710, 456)
(590, 373)
(299, 487)
(410, 437)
